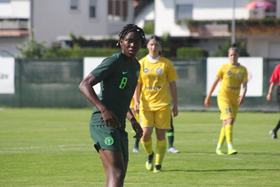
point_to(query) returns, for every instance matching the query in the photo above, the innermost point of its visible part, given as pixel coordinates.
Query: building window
(117, 10)
(74, 4)
(92, 8)
(184, 11)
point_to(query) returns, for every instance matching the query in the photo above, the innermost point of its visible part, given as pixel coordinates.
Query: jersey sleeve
(104, 69)
(275, 74)
(171, 72)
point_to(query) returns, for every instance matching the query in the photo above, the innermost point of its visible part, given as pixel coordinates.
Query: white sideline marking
(42, 147)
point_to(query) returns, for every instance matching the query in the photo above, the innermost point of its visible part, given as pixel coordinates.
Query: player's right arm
(86, 87)
(268, 97)
(207, 101)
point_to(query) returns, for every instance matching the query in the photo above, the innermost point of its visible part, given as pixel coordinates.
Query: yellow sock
(222, 138)
(161, 149)
(228, 130)
(148, 146)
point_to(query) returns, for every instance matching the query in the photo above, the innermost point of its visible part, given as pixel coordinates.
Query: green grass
(52, 147)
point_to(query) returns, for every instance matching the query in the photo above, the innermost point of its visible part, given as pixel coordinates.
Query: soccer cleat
(219, 151)
(149, 163)
(135, 150)
(232, 151)
(172, 150)
(273, 134)
(157, 169)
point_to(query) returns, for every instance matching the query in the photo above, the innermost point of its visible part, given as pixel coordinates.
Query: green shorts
(110, 138)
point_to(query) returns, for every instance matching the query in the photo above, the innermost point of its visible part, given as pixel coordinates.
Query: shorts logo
(159, 71)
(146, 70)
(239, 75)
(229, 73)
(109, 141)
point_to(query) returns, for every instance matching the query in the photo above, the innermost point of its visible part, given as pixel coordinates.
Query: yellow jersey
(153, 77)
(132, 103)
(232, 77)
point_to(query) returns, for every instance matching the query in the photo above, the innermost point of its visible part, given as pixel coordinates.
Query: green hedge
(95, 52)
(79, 52)
(189, 52)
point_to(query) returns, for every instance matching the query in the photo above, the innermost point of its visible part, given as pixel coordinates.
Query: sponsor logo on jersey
(229, 73)
(124, 72)
(159, 71)
(146, 70)
(239, 75)
(233, 88)
(109, 141)
(153, 88)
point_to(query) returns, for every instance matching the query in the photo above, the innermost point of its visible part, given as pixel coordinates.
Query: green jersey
(118, 80)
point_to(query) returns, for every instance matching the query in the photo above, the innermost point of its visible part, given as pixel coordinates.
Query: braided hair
(233, 47)
(131, 28)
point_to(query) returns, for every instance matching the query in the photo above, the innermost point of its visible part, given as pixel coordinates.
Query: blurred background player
(118, 75)
(232, 75)
(273, 80)
(169, 133)
(155, 101)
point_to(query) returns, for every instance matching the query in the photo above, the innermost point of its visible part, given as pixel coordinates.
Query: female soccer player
(232, 76)
(155, 102)
(274, 78)
(118, 75)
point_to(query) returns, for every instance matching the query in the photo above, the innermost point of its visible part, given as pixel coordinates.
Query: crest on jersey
(159, 71)
(109, 141)
(239, 75)
(229, 73)
(146, 70)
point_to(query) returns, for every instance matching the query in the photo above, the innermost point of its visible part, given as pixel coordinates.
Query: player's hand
(207, 102)
(268, 97)
(137, 128)
(240, 100)
(175, 111)
(110, 119)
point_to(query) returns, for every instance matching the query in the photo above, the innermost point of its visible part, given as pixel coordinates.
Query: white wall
(54, 19)
(9, 44)
(15, 9)
(263, 47)
(219, 10)
(147, 14)
(165, 19)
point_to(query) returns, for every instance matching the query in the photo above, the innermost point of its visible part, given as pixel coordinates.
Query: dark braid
(131, 28)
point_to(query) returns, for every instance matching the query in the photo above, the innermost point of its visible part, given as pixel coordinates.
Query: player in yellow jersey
(232, 76)
(155, 101)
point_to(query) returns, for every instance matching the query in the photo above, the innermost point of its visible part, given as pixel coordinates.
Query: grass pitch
(52, 147)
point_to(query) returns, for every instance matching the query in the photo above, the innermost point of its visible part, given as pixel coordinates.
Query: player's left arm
(173, 89)
(135, 125)
(242, 97)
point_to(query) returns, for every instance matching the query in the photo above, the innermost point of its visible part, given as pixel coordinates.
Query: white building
(14, 25)
(53, 21)
(169, 16)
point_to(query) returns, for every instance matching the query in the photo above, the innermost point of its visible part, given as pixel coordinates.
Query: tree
(223, 51)
(32, 49)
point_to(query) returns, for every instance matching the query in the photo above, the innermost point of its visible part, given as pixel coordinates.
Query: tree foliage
(223, 51)
(32, 49)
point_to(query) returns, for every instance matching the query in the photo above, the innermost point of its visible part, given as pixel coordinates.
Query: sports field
(52, 147)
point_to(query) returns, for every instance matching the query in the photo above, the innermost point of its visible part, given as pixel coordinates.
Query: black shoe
(157, 169)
